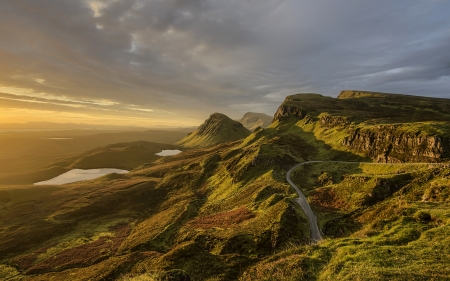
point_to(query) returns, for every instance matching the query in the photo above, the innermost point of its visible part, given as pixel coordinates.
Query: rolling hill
(226, 212)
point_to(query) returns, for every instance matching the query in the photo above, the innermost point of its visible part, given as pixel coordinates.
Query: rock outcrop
(385, 127)
(333, 121)
(389, 144)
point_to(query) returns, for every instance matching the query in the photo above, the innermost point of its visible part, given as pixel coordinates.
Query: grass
(401, 237)
(225, 212)
(218, 128)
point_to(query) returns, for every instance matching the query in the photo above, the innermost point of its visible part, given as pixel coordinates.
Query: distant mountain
(253, 120)
(218, 128)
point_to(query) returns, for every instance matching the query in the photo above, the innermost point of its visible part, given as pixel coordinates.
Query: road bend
(315, 232)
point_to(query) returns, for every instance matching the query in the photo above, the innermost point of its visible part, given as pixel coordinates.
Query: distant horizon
(43, 124)
(110, 123)
(172, 63)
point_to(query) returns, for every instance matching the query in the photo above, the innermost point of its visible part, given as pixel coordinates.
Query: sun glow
(21, 115)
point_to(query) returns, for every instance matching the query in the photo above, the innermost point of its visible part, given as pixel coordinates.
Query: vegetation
(218, 128)
(224, 211)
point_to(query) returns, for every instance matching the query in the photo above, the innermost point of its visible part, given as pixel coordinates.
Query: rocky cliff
(385, 127)
(389, 144)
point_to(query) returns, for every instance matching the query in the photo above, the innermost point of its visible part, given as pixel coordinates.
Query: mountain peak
(253, 120)
(216, 129)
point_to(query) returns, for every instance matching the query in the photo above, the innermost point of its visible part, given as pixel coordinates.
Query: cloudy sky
(173, 62)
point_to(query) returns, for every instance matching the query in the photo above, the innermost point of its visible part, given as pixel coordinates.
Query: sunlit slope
(387, 222)
(218, 128)
(225, 211)
(224, 207)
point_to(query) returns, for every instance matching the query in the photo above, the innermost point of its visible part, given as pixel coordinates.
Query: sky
(174, 62)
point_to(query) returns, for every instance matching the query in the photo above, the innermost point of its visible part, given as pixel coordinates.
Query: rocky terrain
(384, 127)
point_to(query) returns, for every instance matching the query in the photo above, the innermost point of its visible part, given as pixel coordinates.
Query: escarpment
(382, 126)
(389, 144)
(334, 121)
(284, 112)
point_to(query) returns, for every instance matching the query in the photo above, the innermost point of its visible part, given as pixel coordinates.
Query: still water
(168, 152)
(80, 175)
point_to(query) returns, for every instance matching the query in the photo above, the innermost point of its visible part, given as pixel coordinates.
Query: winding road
(316, 234)
(301, 200)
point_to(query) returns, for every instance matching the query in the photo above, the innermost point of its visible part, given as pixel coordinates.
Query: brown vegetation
(326, 200)
(223, 220)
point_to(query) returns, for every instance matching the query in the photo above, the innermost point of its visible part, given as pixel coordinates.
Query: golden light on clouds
(29, 105)
(180, 61)
(20, 115)
(27, 92)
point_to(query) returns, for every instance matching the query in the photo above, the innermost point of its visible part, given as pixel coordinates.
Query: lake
(80, 175)
(168, 152)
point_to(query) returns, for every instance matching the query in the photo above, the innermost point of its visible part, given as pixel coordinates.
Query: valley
(371, 169)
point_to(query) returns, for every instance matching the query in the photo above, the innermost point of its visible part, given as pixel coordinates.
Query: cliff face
(388, 144)
(333, 121)
(284, 112)
(391, 127)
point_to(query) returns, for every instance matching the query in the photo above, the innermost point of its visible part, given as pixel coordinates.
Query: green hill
(226, 212)
(218, 128)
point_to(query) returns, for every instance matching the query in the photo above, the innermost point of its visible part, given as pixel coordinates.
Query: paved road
(301, 200)
(315, 232)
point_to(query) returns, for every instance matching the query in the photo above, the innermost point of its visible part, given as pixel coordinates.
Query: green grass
(218, 128)
(225, 212)
(398, 238)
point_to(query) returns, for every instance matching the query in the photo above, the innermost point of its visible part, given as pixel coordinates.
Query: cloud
(194, 57)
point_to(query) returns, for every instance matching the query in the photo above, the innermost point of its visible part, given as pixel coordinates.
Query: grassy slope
(381, 222)
(218, 128)
(385, 222)
(224, 207)
(225, 212)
